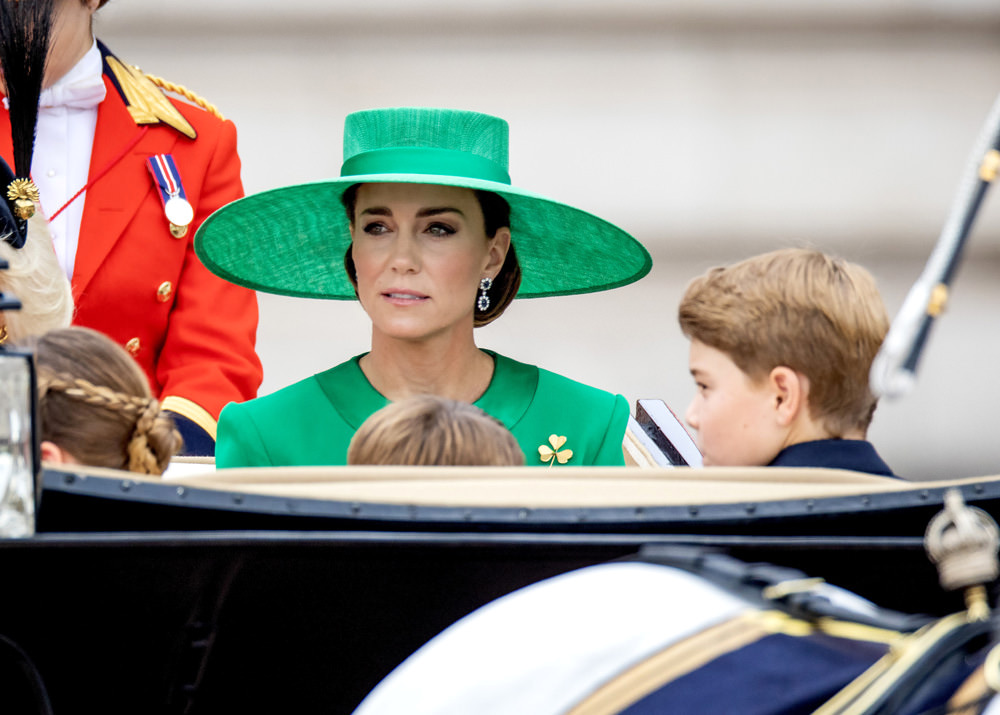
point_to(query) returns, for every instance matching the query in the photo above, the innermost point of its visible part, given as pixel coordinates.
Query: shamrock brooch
(553, 453)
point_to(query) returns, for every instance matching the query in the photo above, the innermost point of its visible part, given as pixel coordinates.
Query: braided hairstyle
(94, 402)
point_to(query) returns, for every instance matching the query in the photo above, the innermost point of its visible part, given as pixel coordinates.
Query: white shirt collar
(89, 66)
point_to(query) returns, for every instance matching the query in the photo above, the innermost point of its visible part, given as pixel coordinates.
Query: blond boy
(781, 346)
(432, 430)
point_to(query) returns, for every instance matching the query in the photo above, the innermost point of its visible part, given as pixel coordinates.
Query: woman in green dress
(434, 241)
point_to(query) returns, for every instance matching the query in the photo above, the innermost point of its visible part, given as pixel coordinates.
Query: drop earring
(483, 302)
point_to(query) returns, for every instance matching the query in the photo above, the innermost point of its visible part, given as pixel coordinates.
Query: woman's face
(420, 251)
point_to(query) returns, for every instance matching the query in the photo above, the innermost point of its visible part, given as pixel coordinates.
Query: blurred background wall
(711, 131)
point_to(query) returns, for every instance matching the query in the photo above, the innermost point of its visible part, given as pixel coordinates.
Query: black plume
(25, 27)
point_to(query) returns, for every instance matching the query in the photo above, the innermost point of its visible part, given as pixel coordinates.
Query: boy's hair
(799, 308)
(430, 430)
(94, 402)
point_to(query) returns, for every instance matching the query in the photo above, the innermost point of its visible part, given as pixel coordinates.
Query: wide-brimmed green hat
(292, 240)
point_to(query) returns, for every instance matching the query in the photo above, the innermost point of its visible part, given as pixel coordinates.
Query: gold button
(164, 291)
(133, 346)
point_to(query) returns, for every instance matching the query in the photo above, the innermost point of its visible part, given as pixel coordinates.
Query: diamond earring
(483, 302)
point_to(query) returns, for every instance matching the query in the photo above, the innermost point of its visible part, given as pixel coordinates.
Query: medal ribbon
(165, 174)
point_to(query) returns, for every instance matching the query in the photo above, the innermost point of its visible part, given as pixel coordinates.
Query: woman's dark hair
(496, 215)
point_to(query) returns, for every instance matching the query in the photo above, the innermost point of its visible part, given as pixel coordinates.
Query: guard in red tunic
(126, 176)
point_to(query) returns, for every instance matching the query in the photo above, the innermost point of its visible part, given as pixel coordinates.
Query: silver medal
(178, 211)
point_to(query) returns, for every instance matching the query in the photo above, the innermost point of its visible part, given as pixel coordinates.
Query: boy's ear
(790, 391)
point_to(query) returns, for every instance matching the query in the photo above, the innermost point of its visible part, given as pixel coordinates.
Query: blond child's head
(781, 347)
(431, 430)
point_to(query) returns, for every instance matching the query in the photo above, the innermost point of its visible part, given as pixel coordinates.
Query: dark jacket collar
(854, 454)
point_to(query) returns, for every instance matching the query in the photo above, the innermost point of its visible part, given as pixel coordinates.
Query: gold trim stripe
(857, 697)
(193, 411)
(859, 631)
(671, 663)
(679, 659)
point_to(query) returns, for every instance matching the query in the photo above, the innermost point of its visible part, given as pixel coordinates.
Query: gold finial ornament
(963, 541)
(24, 194)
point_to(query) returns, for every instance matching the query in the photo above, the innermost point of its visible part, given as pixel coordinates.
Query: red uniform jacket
(192, 332)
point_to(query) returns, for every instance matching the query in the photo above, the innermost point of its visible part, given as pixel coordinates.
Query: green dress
(312, 421)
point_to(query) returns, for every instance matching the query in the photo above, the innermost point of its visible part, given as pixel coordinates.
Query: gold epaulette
(146, 102)
(186, 93)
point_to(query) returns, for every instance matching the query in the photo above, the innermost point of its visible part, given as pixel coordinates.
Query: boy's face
(734, 416)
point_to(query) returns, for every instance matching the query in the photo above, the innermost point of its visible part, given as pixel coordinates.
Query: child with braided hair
(95, 406)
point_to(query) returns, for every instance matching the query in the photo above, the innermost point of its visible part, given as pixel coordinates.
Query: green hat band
(424, 160)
